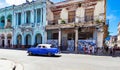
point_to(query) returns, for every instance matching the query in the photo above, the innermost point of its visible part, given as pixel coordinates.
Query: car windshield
(44, 45)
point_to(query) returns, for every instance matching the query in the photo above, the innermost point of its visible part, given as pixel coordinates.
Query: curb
(10, 65)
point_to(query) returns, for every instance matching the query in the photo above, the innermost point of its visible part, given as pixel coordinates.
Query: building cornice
(24, 5)
(7, 8)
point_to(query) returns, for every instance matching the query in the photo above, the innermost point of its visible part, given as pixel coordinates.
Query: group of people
(111, 49)
(87, 47)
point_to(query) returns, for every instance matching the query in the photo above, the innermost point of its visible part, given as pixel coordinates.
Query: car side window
(51, 46)
(38, 46)
(44, 47)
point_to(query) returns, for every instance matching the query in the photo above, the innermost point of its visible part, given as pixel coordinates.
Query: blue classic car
(43, 49)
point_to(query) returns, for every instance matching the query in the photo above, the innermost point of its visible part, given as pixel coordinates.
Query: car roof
(46, 45)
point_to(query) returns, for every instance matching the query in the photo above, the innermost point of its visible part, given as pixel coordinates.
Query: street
(61, 62)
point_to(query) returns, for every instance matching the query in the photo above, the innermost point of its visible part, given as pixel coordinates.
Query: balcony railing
(85, 20)
(5, 30)
(53, 22)
(27, 25)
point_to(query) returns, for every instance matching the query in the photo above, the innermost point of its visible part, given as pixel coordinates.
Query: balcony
(6, 30)
(26, 27)
(76, 22)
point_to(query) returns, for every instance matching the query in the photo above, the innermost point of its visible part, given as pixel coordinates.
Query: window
(85, 35)
(71, 36)
(19, 18)
(56, 17)
(34, 15)
(71, 16)
(28, 16)
(42, 14)
(89, 13)
(55, 36)
(38, 15)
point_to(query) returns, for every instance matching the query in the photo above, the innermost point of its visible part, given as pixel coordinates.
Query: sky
(113, 14)
(113, 11)
(4, 3)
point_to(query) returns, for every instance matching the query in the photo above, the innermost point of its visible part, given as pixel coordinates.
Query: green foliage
(98, 21)
(63, 22)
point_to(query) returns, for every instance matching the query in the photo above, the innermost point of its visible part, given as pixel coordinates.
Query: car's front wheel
(30, 53)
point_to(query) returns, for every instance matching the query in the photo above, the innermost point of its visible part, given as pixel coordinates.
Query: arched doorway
(9, 37)
(9, 21)
(28, 41)
(2, 22)
(38, 39)
(19, 41)
(3, 41)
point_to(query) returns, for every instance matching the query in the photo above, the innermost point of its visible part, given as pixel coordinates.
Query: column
(6, 41)
(13, 18)
(44, 22)
(95, 35)
(33, 40)
(17, 19)
(41, 16)
(1, 41)
(76, 40)
(23, 42)
(24, 16)
(59, 38)
(5, 21)
(100, 38)
(45, 36)
(14, 37)
(11, 42)
(36, 15)
(32, 16)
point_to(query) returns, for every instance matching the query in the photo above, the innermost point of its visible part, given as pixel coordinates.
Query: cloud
(15, 2)
(111, 17)
(3, 4)
(113, 23)
(57, 0)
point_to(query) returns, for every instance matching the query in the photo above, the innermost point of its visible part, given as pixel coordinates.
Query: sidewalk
(9, 65)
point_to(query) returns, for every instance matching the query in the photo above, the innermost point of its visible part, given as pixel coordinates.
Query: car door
(42, 51)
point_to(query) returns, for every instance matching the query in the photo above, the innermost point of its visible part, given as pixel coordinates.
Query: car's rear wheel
(30, 53)
(49, 54)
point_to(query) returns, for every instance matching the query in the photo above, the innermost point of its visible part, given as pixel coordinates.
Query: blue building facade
(25, 22)
(6, 23)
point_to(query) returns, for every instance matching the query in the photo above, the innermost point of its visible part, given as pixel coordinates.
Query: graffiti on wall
(86, 46)
(53, 42)
(71, 45)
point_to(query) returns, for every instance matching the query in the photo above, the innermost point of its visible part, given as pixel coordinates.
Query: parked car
(43, 49)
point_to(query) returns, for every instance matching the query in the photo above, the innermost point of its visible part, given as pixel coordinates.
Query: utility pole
(105, 10)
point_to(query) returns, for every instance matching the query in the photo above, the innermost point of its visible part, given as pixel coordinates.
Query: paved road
(65, 62)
